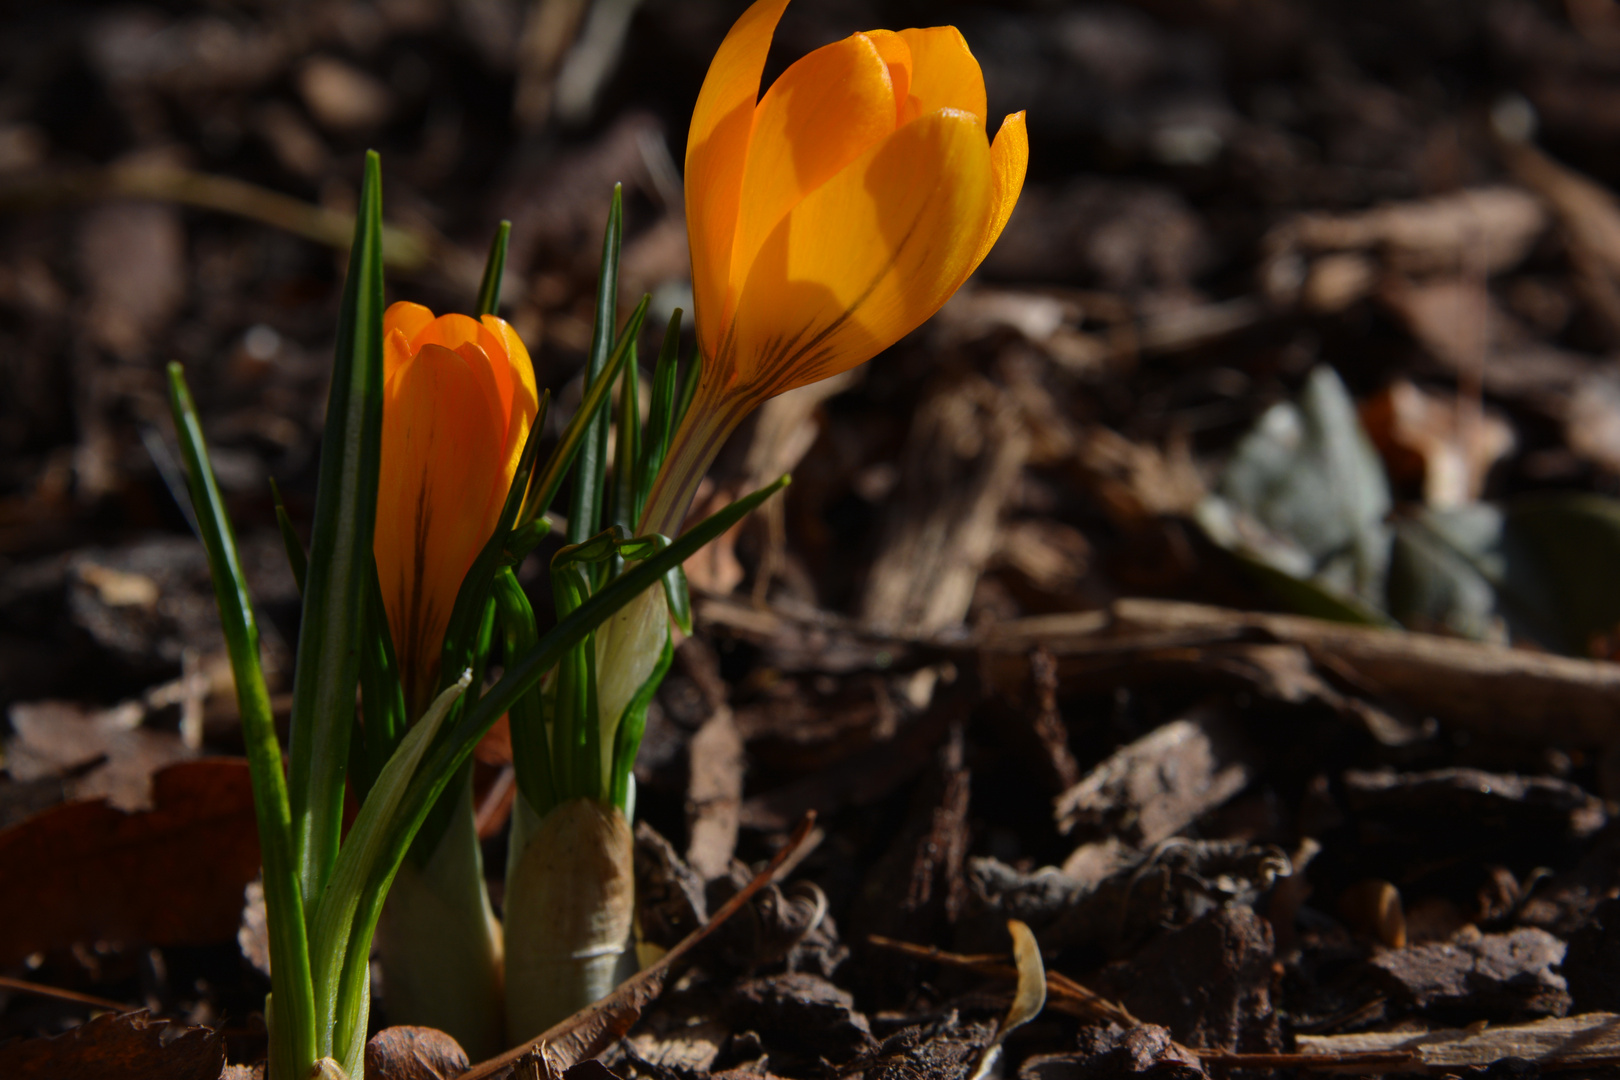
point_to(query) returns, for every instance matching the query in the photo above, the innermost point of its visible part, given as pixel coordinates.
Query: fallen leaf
(173, 875)
(118, 1046)
(97, 755)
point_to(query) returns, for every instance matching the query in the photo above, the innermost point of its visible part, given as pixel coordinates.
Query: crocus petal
(1009, 161)
(897, 55)
(716, 148)
(438, 495)
(525, 402)
(453, 331)
(396, 353)
(944, 74)
(825, 111)
(406, 317)
(865, 258)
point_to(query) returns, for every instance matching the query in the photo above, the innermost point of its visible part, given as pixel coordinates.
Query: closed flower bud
(458, 400)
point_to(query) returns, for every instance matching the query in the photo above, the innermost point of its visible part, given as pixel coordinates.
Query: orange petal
(716, 150)
(397, 352)
(865, 258)
(406, 317)
(1009, 161)
(944, 74)
(440, 476)
(525, 401)
(449, 330)
(453, 331)
(897, 54)
(824, 112)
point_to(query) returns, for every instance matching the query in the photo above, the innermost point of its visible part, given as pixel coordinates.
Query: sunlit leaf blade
(331, 631)
(545, 486)
(585, 501)
(489, 290)
(340, 946)
(289, 952)
(521, 676)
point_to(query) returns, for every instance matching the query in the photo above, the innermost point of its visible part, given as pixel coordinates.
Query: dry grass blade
(403, 249)
(591, 1030)
(26, 987)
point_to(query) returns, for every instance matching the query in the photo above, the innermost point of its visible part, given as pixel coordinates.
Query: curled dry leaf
(1028, 1000)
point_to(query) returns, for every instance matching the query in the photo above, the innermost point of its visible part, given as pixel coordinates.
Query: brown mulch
(990, 636)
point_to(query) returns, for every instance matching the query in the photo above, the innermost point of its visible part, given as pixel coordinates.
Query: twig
(1063, 990)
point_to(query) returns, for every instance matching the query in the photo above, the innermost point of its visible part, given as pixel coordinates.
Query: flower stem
(708, 423)
(441, 945)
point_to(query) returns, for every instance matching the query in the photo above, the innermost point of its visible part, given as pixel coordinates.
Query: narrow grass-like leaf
(382, 690)
(489, 290)
(522, 675)
(661, 414)
(297, 558)
(294, 1033)
(568, 447)
(531, 746)
(336, 946)
(627, 452)
(332, 628)
(382, 694)
(585, 501)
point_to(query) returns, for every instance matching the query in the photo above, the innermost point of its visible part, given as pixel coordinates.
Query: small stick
(8, 983)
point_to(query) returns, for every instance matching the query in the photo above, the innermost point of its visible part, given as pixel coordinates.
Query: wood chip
(1592, 1039)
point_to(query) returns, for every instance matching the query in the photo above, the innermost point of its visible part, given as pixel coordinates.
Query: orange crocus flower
(830, 217)
(458, 400)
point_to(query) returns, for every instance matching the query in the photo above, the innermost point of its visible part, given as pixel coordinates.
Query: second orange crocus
(830, 217)
(458, 400)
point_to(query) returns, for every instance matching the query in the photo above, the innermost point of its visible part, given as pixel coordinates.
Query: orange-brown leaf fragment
(122, 1046)
(172, 875)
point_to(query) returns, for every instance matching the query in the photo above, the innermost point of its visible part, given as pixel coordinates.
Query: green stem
(441, 945)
